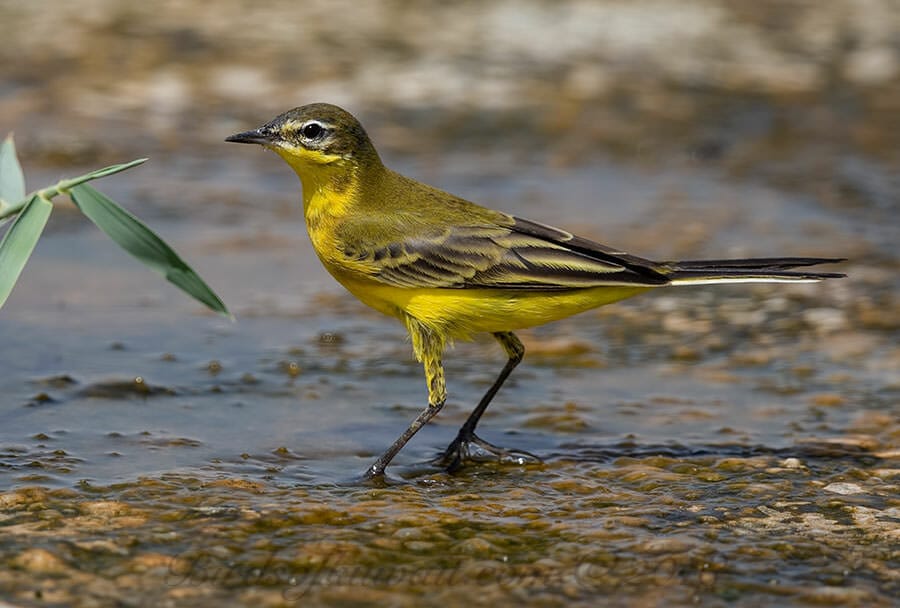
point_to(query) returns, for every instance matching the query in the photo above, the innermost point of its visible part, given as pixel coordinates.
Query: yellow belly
(459, 313)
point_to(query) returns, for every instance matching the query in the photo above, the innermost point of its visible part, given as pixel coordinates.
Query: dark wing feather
(520, 255)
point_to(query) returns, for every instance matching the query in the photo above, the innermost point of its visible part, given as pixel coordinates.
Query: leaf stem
(63, 186)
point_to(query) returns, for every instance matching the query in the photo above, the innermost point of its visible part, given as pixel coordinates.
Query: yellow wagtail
(448, 268)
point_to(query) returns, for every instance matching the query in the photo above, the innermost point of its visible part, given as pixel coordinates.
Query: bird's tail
(752, 270)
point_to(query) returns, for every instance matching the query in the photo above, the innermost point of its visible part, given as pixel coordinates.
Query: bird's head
(314, 135)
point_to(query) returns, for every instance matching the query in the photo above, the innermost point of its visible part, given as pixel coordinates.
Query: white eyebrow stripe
(314, 121)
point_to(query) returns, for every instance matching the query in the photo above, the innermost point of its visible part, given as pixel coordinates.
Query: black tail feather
(757, 264)
(753, 268)
(755, 274)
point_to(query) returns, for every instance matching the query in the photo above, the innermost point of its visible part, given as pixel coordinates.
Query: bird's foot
(468, 447)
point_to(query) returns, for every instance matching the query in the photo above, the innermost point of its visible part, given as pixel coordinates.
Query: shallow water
(725, 445)
(730, 445)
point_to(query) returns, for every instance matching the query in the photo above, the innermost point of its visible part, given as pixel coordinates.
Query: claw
(472, 448)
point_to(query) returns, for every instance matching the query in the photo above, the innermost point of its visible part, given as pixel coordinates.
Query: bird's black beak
(261, 136)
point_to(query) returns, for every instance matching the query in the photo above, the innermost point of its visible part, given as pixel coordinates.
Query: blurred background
(669, 128)
(795, 96)
(800, 94)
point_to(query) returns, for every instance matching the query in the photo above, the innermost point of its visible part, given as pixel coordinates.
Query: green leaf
(12, 181)
(138, 240)
(19, 242)
(104, 172)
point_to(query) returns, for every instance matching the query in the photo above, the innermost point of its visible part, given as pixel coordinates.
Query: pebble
(837, 596)
(104, 508)
(659, 546)
(843, 488)
(792, 463)
(40, 561)
(475, 546)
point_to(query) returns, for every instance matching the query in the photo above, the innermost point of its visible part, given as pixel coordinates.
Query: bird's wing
(520, 255)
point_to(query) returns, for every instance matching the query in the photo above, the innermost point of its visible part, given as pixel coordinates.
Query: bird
(449, 269)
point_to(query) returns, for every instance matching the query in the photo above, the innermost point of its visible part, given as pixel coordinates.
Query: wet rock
(102, 546)
(105, 508)
(61, 381)
(123, 389)
(476, 546)
(667, 545)
(792, 463)
(837, 596)
(40, 561)
(843, 488)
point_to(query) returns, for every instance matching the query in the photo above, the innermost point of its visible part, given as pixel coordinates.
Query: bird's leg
(428, 347)
(467, 445)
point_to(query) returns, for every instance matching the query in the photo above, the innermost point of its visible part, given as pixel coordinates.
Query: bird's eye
(313, 130)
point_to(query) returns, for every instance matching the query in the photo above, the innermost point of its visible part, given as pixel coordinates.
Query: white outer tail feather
(723, 280)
